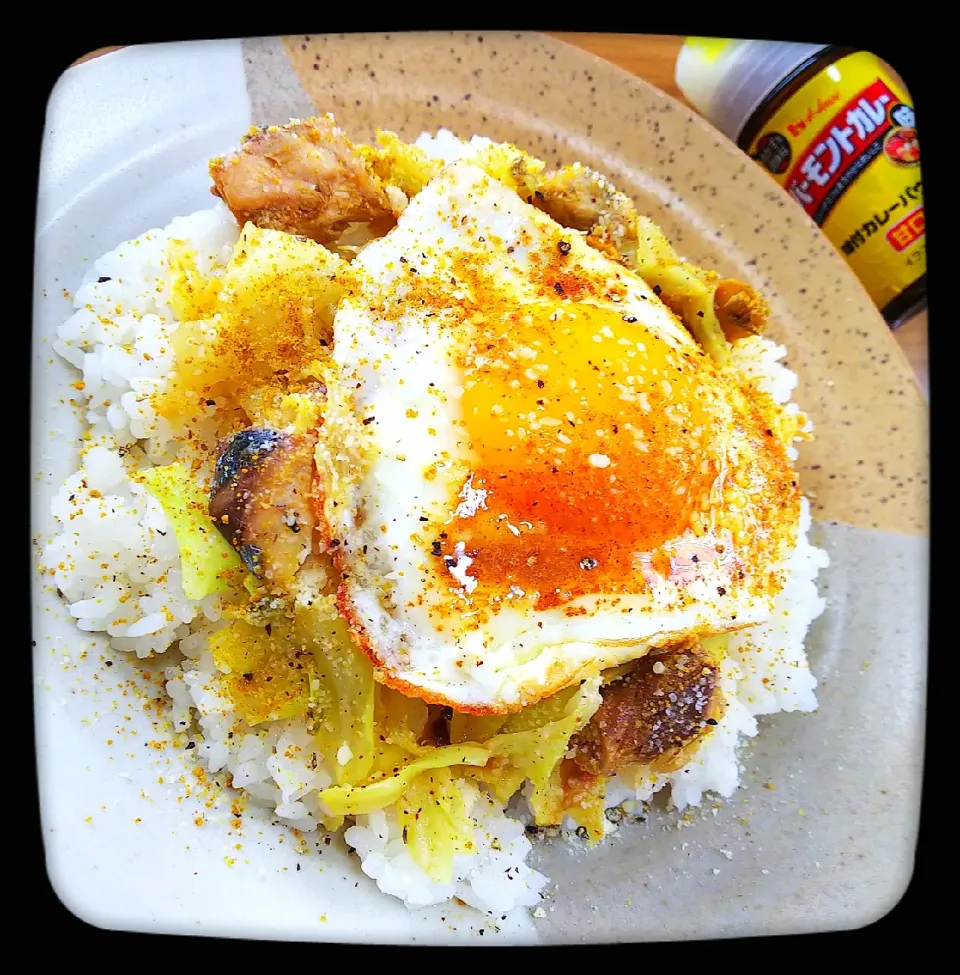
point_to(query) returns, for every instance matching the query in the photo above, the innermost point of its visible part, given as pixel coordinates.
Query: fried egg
(529, 470)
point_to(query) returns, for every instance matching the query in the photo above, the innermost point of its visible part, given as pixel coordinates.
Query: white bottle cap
(726, 80)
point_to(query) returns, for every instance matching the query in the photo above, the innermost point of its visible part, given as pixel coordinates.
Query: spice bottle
(835, 128)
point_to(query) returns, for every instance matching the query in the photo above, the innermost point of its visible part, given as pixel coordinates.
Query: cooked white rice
(115, 561)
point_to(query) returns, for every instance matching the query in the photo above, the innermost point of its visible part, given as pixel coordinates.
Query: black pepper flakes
(721, 590)
(103, 280)
(630, 319)
(712, 722)
(558, 287)
(191, 744)
(436, 548)
(564, 247)
(367, 420)
(657, 289)
(588, 563)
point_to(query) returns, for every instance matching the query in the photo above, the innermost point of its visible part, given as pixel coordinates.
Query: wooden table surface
(652, 57)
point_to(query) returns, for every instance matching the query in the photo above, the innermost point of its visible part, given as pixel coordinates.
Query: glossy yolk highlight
(592, 442)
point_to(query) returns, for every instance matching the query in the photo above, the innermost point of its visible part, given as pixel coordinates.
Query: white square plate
(127, 140)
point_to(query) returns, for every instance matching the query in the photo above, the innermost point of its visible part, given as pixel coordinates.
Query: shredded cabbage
(270, 311)
(207, 559)
(193, 295)
(400, 720)
(400, 163)
(475, 727)
(687, 289)
(612, 674)
(531, 745)
(583, 796)
(265, 673)
(342, 692)
(345, 800)
(509, 165)
(538, 751)
(435, 822)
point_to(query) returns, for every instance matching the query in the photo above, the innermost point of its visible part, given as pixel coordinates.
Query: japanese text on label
(841, 151)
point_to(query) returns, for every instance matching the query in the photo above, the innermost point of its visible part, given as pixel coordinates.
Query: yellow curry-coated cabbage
(208, 562)
(507, 164)
(264, 672)
(434, 815)
(538, 751)
(476, 727)
(584, 798)
(356, 800)
(400, 163)
(400, 720)
(267, 405)
(277, 300)
(531, 745)
(271, 311)
(343, 691)
(192, 294)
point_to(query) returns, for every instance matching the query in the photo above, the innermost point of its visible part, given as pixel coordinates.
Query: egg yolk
(592, 444)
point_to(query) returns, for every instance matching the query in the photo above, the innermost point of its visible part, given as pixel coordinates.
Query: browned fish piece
(653, 716)
(581, 199)
(739, 309)
(261, 500)
(304, 177)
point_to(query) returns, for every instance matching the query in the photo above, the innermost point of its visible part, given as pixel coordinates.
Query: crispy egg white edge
(388, 366)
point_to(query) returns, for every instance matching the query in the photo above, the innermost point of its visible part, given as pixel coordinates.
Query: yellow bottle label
(844, 146)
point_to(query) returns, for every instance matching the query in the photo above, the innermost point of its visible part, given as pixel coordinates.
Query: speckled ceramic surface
(821, 836)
